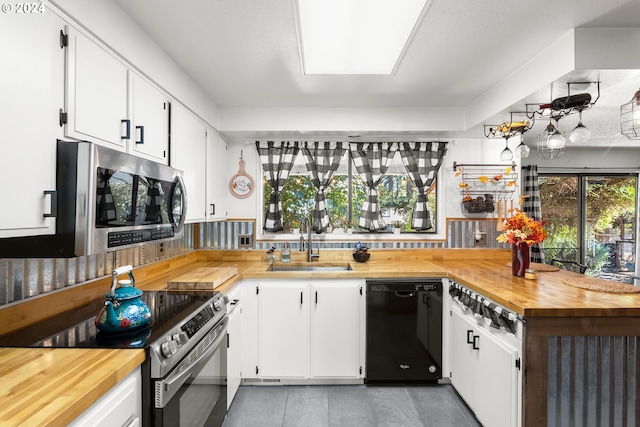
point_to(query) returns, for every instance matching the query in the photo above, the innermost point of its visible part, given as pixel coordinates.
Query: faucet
(310, 255)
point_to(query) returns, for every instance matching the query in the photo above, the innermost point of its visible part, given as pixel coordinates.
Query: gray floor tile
(258, 406)
(440, 406)
(349, 406)
(393, 406)
(307, 406)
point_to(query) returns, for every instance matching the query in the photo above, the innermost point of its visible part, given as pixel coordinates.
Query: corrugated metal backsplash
(28, 277)
(24, 278)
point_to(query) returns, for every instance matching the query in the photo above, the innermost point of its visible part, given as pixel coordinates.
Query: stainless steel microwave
(106, 200)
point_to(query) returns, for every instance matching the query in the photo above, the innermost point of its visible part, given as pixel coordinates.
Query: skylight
(356, 36)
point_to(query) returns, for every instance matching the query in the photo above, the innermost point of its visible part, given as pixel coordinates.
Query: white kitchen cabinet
(336, 312)
(284, 329)
(97, 93)
(120, 406)
(188, 153)
(109, 104)
(234, 345)
(217, 180)
(484, 372)
(32, 93)
(149, 121)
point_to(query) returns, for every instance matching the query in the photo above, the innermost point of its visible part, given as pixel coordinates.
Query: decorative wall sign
(241, 184)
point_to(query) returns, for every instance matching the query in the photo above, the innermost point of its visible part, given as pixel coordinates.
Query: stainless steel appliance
(106, 200)
(404, 331)
(184, 375)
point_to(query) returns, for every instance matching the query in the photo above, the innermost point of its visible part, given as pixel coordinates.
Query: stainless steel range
(184, 375)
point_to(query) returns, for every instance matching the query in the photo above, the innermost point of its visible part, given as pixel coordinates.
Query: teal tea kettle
(124, 310)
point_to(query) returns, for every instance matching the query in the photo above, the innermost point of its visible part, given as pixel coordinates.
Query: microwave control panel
(122, 238)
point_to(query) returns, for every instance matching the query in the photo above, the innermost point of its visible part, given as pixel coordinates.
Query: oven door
(195, 392)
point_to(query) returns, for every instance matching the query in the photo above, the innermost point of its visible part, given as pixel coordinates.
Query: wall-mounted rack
(484, 185)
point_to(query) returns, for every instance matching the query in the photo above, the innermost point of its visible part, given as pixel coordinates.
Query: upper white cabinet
(32, 87)
(149, 125)
(111, 105)
(217, 185)
(97, 93)
(188, 153)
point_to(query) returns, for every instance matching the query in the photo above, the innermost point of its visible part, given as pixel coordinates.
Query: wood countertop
(41, 387)
(36, 384)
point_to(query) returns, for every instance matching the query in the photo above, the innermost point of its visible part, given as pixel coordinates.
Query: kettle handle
(118, 271)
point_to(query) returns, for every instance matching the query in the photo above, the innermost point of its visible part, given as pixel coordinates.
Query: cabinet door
(250, 307)
(463, 359)
(284, 326)
(496, 387)
(335, 328)
(149, 121)
(234, 353)
(188, 155)
(96, 99)
(217, 181)
(32, 93)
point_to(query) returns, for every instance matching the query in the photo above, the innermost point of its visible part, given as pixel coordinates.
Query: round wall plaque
(241, 184)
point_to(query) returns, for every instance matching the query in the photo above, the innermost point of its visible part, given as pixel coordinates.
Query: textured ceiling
(244, 53)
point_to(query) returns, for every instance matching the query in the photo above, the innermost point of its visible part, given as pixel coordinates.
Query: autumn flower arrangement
(519, 229)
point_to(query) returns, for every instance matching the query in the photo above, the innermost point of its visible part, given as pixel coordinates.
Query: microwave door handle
(183, 214)
(173, 382)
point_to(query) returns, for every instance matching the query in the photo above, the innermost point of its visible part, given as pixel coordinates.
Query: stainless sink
(310, 267)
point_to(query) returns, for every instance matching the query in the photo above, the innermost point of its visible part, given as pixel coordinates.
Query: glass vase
(519, 259)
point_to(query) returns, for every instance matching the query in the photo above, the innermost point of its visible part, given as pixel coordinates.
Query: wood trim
(534, 379)
(585, 326)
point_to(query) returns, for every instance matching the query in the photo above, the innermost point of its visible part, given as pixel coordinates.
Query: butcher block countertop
(36, 384)
(49, 386)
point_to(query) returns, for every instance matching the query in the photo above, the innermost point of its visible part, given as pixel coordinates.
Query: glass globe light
(556, 140)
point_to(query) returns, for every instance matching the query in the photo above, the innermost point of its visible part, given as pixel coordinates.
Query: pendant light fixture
(630, 117)
(580, 134)
(551, 142)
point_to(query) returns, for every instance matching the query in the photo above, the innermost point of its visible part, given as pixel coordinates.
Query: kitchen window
(346, 194)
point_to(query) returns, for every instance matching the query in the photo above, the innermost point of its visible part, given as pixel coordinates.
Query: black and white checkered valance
(277, 159)
(372, 159)
(322, 161)
(422, 161)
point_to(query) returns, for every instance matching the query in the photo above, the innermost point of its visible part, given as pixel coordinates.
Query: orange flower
(522, 229)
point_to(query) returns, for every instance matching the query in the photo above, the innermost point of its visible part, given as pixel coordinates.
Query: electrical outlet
(244, 241)
(481, 242)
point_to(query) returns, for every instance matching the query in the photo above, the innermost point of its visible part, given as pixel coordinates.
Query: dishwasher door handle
(405, 294)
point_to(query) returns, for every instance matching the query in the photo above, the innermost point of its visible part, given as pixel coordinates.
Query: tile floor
(349, 406)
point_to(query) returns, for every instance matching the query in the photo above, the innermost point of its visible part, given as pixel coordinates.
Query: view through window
(591, 221)
(346, 194)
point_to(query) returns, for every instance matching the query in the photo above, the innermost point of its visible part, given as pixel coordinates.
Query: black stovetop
(75, 328)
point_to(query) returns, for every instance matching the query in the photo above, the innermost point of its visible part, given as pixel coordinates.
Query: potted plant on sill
(397, 227)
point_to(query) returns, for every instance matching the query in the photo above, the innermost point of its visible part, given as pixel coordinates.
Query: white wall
(244, 208)
(106, 21)
(614, 158)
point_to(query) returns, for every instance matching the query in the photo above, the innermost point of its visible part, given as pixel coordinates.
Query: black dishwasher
(404, 331)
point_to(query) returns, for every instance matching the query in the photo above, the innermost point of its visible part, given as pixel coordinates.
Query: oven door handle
(167, 388)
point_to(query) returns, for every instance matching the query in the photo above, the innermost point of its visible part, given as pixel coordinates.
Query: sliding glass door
(591, 221)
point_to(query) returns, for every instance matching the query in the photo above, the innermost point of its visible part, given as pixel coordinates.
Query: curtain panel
(322, 161)
(277, 158)
(422, 160)
(532, 207)
(372, 159)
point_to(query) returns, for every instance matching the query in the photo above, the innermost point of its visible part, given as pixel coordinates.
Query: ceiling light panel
(356, 36)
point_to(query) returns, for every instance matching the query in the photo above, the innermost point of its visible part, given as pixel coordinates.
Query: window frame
(439, 234)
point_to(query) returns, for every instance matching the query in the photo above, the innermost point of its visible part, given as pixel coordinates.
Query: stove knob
(216, 306)
(169, 348)
(181, 338)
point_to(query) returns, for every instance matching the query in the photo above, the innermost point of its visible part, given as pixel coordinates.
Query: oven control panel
(198, 320)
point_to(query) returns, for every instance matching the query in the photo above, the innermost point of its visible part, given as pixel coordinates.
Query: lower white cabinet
(303, 329)
(234, 345)
(119, 407)
(484, 371)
